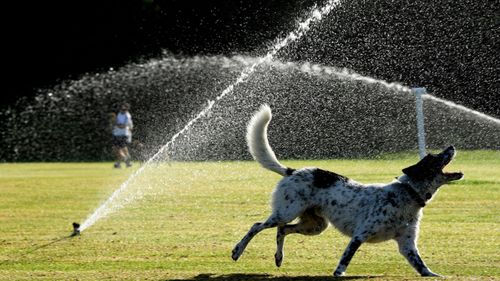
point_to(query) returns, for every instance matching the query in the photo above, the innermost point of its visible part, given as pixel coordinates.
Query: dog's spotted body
(367, 213)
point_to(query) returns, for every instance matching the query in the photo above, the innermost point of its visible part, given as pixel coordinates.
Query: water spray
(114, 202)
(314, 16)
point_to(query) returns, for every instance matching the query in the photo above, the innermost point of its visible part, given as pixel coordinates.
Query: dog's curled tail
(258, 144)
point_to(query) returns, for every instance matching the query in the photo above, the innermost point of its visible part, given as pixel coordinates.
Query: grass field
(191, 215)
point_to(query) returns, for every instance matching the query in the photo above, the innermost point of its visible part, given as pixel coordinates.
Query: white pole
(420, 119)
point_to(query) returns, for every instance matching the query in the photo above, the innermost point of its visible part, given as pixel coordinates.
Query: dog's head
(427, 175)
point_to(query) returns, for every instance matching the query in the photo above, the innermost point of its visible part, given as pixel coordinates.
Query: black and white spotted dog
(367, 213)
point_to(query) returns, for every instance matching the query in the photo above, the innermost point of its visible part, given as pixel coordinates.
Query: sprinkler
(76, 229)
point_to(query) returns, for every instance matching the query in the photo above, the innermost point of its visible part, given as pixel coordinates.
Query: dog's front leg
(408, 248)
(347, 256)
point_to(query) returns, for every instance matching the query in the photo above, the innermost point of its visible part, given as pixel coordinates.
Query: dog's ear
(418, 172)
(425, 168)
(412, 171)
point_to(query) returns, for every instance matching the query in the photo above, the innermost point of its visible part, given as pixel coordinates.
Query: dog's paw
(278, 259)
(236, 253)
(430, 274)
(338, 273)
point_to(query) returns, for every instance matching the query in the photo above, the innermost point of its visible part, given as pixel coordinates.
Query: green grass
(192, 214)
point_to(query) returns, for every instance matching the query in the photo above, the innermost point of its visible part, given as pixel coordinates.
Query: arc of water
(345, 74)
(463, 108)
(315, 16)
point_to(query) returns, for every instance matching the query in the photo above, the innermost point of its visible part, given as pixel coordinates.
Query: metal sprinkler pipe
(419, 103)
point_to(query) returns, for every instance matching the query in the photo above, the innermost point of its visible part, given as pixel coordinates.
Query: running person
(122, 135)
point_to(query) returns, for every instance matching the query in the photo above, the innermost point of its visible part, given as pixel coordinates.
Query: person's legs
(118, 157)
(126, 156)
(119, 144)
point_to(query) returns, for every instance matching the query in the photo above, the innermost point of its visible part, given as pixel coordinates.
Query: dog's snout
(447, 155)
(449, 152)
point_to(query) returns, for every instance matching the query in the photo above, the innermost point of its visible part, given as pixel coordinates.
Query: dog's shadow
(266, 277)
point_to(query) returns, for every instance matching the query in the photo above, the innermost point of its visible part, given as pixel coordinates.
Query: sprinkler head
(76, 229)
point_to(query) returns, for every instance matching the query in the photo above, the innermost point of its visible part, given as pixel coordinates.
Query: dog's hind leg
(272, 221)
(309, 224)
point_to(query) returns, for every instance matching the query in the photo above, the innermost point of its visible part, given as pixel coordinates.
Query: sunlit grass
(192, 214)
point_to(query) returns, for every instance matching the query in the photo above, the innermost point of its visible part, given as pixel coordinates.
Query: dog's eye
(428, 196)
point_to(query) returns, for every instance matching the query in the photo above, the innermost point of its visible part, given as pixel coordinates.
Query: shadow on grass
(266, 277)
(36, 248)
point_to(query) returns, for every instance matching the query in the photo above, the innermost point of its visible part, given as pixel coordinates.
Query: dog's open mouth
(454, 176)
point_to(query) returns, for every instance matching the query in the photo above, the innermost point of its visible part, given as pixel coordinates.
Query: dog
(365, 212)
